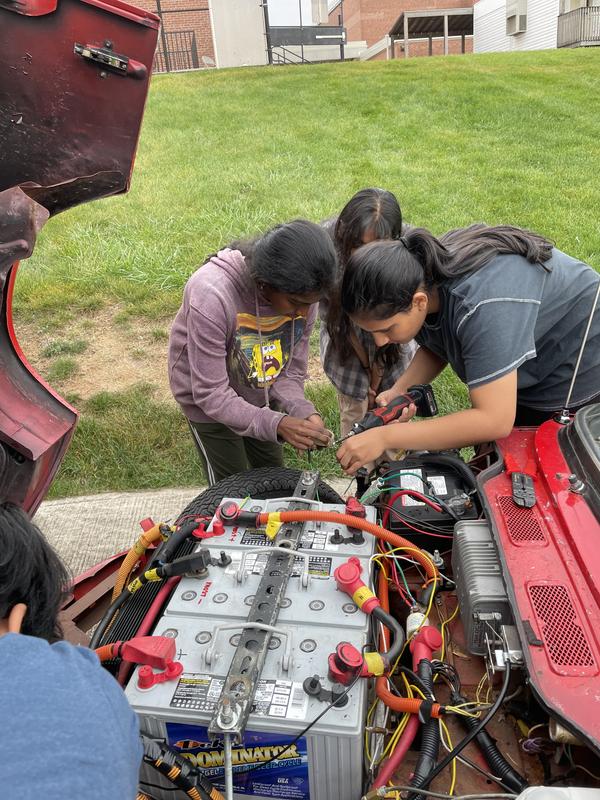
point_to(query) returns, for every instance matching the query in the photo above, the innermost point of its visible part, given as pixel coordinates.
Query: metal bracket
(249, 658)
(209, 655)
(304, 575)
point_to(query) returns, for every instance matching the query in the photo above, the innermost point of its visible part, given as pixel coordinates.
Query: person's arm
(491, 417)
(288, 388)
(424, 367)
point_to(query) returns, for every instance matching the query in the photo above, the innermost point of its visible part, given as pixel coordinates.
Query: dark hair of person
(381, 278)
(31, 572)
(297, 257)
(370, 212)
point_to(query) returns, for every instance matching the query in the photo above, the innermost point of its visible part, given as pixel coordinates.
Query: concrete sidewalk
(85, 530)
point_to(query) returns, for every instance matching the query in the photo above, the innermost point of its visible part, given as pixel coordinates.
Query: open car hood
(74, 78)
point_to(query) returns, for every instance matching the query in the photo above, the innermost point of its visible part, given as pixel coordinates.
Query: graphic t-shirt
(262, 348)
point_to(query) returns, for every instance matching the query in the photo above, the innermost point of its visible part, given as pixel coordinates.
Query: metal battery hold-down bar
(233, 708)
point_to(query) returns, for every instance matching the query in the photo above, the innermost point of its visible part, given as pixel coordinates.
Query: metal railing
(177, 51)
(281, 55)
(579, 28)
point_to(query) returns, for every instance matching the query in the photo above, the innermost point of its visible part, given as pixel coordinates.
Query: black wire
(305, 730)
(472, 733)
(108, 618)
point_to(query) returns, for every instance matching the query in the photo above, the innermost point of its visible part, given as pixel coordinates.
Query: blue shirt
(67, 730)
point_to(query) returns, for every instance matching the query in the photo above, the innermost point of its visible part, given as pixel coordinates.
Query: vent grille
(563, 637)
(521, 523)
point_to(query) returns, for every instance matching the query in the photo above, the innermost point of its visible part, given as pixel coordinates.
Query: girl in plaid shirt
(358, 369)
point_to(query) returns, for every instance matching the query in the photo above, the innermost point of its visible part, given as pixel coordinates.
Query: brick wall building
(208, 33)
(372, 20)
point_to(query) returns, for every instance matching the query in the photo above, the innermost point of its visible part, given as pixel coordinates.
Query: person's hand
(303, 434)
(360, 449)
(385, 398)
(318, 421)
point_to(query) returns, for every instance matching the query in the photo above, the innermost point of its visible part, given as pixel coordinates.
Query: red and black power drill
(421, 396)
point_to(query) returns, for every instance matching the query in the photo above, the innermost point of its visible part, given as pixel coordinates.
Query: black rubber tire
(261, 484)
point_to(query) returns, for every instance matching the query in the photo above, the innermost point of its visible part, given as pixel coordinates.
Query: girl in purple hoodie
(238, 350)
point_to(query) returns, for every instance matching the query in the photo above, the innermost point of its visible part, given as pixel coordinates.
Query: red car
(518, 529)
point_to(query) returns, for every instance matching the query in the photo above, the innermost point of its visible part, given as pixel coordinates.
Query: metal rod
(581, 349)
(301, 31)
(228, 767)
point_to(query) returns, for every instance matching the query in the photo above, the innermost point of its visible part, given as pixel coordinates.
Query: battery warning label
(263, 765)
(311, 540)
(283, 699)
(318, 566)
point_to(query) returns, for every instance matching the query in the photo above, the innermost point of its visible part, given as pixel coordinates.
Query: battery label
(263, 765)
(282, 699)
(408, 479)
(311, 539)
(255, 538)
(318, 566)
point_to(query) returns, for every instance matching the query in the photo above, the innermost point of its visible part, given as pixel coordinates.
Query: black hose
(430, 735)
(108, 618)
(397, 631)
(481, 723)
(170, 547)
(496, 761)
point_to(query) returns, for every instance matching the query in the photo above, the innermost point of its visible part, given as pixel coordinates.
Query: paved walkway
(85, 530)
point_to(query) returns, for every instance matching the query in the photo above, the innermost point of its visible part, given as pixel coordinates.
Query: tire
(261, 484)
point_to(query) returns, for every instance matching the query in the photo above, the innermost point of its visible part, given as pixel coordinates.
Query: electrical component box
(482, 596)
(204, 615)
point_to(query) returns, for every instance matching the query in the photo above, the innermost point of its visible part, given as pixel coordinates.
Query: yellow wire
(444, 730)
(442, 631)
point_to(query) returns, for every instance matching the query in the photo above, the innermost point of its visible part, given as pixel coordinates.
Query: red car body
(74, 78)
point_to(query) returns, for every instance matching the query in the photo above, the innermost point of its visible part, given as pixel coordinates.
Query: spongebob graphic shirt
(233, 358)
(262, 348)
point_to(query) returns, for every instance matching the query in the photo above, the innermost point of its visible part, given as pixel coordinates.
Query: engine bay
(438, 633)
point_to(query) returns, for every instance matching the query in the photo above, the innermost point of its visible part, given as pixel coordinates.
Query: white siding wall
(489, 26)
(238, 32)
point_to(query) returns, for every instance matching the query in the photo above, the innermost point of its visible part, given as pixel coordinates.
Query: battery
(404, 513)
(204, 615)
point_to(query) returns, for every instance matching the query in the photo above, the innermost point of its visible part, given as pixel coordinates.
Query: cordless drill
(421, 396)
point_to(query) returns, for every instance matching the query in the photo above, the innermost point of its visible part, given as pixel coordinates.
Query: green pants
(224, 453)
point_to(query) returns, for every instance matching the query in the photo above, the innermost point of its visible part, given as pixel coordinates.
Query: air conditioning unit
(516, 17)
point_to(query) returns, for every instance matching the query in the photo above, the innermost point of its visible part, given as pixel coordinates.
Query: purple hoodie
(231, 353)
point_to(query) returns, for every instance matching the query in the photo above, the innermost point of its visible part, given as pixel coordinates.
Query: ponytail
(473, 247)
(381, 278)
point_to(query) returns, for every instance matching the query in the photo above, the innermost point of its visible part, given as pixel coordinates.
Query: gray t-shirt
(512, 314)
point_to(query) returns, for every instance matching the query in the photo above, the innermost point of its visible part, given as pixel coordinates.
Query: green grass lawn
(504, 138)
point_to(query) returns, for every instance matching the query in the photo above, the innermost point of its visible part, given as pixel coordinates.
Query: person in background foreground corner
(501, 305)
(238, 351)
(356, 366)
(67, 730)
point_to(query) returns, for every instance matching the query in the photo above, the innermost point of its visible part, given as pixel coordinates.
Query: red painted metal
(69, 129)
(552, 570)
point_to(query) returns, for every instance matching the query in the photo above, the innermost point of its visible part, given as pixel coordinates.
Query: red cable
(413, 493)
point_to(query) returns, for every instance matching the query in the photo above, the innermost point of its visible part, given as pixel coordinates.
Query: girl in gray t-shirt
(503, 307)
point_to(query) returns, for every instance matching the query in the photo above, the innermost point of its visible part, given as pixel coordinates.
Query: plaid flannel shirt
(351, 378)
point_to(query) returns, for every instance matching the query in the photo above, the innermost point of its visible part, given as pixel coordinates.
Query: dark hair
(31, 572)
(381, 278)
(297, 257)
(374, 212)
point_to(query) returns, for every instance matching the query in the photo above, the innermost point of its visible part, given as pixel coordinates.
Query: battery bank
(203, 616)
